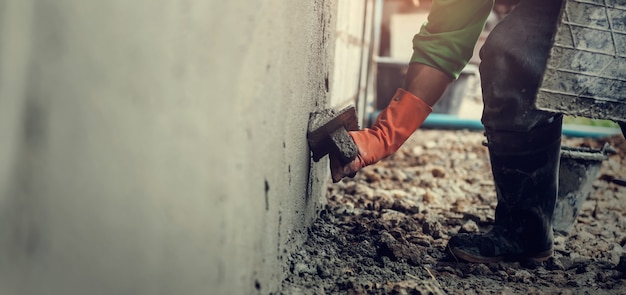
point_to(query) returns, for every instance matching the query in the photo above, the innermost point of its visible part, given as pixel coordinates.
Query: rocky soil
(385, 231)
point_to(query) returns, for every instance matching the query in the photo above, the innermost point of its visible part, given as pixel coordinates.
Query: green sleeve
(446, 41)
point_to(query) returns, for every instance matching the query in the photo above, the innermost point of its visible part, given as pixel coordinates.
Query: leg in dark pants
(524, 143)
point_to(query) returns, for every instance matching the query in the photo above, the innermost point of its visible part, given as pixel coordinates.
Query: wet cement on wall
(157, 147)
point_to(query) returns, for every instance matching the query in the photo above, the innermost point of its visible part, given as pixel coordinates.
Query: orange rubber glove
(395, 124)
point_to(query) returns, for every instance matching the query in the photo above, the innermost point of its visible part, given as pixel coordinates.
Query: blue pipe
(589, 131)
(445, 121)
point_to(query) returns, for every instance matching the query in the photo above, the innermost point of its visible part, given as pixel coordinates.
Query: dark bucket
(578, 170)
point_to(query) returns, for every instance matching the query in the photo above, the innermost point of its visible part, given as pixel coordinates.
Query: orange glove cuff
(394, 125)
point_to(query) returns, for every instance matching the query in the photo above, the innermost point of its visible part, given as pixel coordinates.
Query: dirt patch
(385, 231)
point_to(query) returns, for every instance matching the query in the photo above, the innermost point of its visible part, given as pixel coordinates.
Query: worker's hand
(394, 126)
(372, 148)
(338, 170)
(406, 112)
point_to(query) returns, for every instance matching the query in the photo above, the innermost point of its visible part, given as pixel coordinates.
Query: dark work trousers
(513, 60)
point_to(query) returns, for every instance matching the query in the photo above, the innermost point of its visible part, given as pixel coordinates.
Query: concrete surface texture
(157, 147)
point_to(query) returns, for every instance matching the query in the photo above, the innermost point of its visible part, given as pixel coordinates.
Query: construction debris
(385, 231)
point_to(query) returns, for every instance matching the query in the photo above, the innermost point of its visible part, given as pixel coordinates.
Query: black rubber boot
(525, 170)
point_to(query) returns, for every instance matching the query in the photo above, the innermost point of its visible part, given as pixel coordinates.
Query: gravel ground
(385, 231)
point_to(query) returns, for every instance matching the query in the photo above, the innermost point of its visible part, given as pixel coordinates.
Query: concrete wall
(158, 147)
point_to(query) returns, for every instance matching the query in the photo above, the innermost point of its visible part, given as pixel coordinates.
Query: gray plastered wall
(158, 147)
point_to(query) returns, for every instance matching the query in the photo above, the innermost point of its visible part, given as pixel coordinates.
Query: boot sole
(466, 256)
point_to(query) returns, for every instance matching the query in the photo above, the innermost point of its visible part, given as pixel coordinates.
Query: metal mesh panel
(586, 72)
